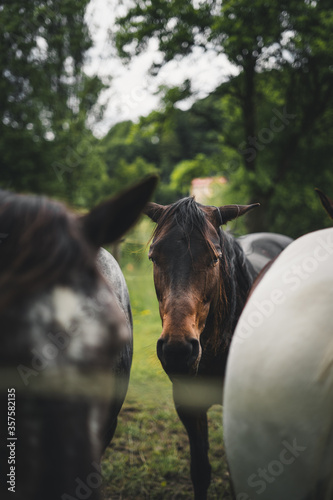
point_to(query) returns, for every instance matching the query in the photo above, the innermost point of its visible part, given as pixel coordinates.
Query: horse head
(188, 257)
(63, 331)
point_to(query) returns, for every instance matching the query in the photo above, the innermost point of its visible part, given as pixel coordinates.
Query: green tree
(187, 170)
(281, 96)
(45, 96)
(78, 167)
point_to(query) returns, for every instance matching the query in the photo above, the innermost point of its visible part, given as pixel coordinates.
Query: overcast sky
(130, 92)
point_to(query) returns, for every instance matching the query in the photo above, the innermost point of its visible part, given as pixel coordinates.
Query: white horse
(278, 399)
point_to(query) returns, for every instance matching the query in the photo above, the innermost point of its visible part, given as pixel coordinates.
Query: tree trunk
(249, 115)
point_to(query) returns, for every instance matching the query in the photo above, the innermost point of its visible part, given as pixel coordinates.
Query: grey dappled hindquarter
(109, 268)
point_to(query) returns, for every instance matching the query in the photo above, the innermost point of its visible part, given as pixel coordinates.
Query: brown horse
(202, 278)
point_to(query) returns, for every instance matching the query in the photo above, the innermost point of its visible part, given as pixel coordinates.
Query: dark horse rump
(261, 248)
(66, 342)
(202, 278)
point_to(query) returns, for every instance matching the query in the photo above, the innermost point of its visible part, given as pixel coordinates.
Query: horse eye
(214, 261)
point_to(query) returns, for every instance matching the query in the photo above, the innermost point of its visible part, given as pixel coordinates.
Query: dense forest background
(268, 130)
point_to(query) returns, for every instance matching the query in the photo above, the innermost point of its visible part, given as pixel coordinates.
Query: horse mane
(237, 282)
(40, 245)
(235, 277)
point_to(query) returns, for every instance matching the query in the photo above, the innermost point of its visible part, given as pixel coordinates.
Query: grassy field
(149, 456)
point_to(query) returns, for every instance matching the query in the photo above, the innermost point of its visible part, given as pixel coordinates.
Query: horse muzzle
(179, 357)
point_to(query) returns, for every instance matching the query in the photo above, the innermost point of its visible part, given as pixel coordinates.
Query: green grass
(149, 456)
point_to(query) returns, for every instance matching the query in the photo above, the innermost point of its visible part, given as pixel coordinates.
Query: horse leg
(196, 425)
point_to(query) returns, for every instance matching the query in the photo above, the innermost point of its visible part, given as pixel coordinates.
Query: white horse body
(278, 400)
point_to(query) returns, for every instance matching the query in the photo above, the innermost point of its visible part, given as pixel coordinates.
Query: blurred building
(203, 188)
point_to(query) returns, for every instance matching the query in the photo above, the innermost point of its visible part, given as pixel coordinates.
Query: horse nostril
(194, 352)
(178, 356)
(195, 347)
(159, 349)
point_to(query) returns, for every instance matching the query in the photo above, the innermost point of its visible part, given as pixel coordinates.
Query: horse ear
(326, 202)
(111, 219)
(230, 212)
(154, 211)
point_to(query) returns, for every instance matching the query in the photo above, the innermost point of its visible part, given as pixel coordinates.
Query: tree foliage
(276, 114)
(267, 130)
(45, 97)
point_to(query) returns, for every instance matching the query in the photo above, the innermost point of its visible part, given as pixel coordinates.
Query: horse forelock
(40, 246)
(188, 216)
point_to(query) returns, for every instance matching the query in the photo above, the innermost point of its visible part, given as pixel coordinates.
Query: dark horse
(66, 342)
(202, 278)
